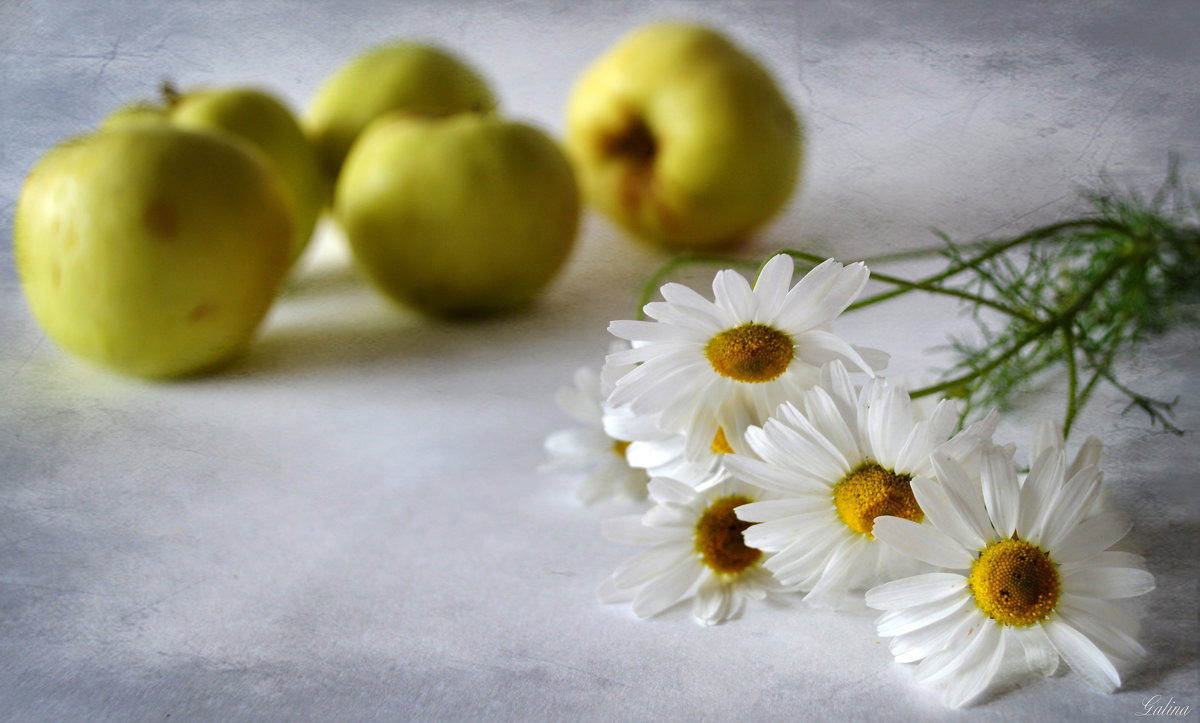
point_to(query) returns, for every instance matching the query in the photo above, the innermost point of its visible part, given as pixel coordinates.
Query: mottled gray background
(348, 524)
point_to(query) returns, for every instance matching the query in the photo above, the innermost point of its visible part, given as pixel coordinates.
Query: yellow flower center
(619, 447)
(1014, 583)
(719, 539)
(871, 491)
(750, 353)
(720, 445)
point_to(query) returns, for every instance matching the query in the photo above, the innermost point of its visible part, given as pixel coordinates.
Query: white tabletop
(348, 524)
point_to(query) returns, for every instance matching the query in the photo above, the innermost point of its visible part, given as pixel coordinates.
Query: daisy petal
(651, 563)
(915, 590)
(665, 590)
(1091, 536)
(901, 622)
(980, 661)
(1107, 583)
(1040, 655)
(1069, 506)
(922, 542)
(665, 489)
(926, 641)
(772, 286)
(1082, 655)
(818, 347)
(629, 530)
(1001, 491)
(963, 496)
(713, 601)
(1094, 619)
(733, 295)
(940, 513)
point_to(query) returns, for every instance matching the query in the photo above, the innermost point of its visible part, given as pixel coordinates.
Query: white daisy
(589, 449)
(663, 454)
(1018, 560)
(707, 366)
(696, 551)
(836, 460)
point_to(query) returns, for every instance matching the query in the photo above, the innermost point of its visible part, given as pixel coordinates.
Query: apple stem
(170, 93)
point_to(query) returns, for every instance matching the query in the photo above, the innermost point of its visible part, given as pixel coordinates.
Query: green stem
(1073, 400)
(993, 251)
(1063, 317)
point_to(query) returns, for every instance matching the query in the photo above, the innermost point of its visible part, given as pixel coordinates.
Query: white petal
(915, 590)
(629, 530)
(978, 668)
(1046, 435)
(1082, 655)
(773, 477)
(666, 590)
(608, 592)
(940, 513)
(652, 563)
(1107, 583)
(902, 622)
(1067, 509)
(927, 641)
(1100, 622)
(922, 542)
(683, 295)
(1040, 655)
(733, 297)
(1089, 454)
(1039, 489)
(772, 286)
(823, 294)
(664, 489)
(779, 533)
(1001, 491)
(964, 496)
(713, 601)
(1091, 536)
(818, 347)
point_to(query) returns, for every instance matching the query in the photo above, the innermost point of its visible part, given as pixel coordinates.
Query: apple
(151, 249)
(458, 216)
(407, 76)
(257, 116)
(683, 139)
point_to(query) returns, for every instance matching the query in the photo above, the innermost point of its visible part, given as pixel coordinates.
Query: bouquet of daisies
(779, 459)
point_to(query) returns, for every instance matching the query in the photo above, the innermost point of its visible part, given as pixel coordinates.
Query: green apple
(682, 138)
(265, 121)
(151, 249)
(464, 215)
(259, 117)
(416, 77)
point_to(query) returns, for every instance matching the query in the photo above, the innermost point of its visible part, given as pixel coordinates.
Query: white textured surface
(348, 524)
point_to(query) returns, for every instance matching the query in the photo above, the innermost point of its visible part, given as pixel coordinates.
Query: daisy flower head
(695, 550)
(1017, 560)
(835, 460)
(704, 367)
(589, 449)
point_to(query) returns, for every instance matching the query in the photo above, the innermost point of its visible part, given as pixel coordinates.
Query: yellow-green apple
(152, 249)
(408, 76)
(464, 215)
(682, 138)
(257, 116)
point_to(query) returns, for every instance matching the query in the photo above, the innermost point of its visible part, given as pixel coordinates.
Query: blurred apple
(256, 116)
(151, 249)
(682, 138)
(399, 76)
(465, 215)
